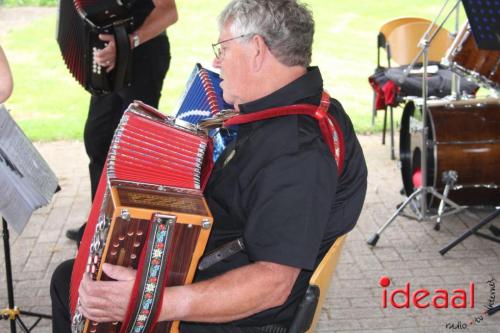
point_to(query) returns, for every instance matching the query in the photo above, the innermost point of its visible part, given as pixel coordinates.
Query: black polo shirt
(277, 186)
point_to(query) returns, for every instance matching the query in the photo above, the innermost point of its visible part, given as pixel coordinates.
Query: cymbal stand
(422, 192)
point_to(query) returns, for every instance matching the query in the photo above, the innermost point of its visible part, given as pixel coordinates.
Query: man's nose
(216, 62)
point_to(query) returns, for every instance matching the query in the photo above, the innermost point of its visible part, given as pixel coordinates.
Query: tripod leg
(437, 226)
(23, 326)
(469, 232)
(374, 239)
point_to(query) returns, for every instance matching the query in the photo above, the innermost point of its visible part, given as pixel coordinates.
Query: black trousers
(61, 319)
(150, 65)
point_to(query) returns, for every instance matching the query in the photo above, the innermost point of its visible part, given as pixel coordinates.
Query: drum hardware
(421, 194)
(449, 178)
(481, 66)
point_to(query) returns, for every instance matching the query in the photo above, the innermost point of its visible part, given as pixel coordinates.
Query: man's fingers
(116, 272)
(110, 68)
(106, 37)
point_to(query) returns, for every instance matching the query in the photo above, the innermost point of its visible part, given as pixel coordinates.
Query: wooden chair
(384, 31)
(403, 42)
(400, 38)
(309, 309)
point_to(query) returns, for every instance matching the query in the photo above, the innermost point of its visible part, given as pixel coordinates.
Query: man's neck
(276, 77)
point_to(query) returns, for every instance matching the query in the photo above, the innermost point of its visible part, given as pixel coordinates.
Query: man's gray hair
(287, 27)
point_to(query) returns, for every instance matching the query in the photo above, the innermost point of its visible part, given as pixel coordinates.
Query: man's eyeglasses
(217, 47)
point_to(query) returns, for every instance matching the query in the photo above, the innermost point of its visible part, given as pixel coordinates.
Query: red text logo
(423, 298)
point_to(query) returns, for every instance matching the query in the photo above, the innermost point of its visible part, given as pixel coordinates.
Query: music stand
(13, 313)
(422, 212)
(484, 20)
(27, 183)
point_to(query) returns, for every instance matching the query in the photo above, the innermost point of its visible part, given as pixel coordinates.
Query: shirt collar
(308, 85)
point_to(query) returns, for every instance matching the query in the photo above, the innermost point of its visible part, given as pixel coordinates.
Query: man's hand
(107, 301)
(106, 57)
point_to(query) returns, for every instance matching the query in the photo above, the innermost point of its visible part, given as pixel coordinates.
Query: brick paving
(406, 252)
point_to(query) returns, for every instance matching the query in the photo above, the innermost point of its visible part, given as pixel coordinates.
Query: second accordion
(149, 214)
(79, 24)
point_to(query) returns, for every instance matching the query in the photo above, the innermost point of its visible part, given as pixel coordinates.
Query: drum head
(410, 149)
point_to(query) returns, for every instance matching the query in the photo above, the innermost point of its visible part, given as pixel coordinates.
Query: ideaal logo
(439, 298)
(423, 298)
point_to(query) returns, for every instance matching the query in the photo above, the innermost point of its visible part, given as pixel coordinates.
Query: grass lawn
(50, 105)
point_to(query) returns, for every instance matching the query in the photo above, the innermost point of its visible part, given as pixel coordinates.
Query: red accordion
(79, 24)
(149, 214)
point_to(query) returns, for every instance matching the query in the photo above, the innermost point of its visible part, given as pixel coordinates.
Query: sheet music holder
(26, 180)
(484, 20)
(26, 183)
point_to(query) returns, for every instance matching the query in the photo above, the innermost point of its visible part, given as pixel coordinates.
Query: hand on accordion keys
(106, 57)
(107, 301)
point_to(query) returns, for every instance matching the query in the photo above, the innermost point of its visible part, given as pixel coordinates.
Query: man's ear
(260, 50)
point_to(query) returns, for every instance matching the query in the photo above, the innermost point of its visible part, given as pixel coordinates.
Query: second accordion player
(149, 214)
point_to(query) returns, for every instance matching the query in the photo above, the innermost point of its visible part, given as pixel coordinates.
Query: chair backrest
(389, 26)
(403, 42)
(386, 29)
(322, 276)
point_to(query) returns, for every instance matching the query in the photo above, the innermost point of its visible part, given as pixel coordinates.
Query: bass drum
(463, 136)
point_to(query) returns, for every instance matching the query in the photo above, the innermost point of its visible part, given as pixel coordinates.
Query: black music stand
(13, 313)
(484, 20)
(27, 183)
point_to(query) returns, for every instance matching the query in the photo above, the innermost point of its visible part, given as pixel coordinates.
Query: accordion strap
(147, 294)
(123, 55)
(330, 129)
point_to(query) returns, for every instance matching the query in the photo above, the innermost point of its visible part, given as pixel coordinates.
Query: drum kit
(450, 148)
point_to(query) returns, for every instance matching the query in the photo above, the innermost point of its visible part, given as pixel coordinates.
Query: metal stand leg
(471, 231)
(12, 313)
(393, 156)
(374, 239)
(449, 178)
(424, 191)
(385, 126)
(374, 109)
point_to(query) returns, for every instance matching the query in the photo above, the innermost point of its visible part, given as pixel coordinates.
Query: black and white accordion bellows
(79, 24)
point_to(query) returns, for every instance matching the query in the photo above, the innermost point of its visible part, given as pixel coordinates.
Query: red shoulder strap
(330, 129)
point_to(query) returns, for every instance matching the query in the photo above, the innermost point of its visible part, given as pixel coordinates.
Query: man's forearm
(234, 295)
(161, 17)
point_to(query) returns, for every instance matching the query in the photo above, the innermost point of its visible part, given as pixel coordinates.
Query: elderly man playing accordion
(278, 186)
